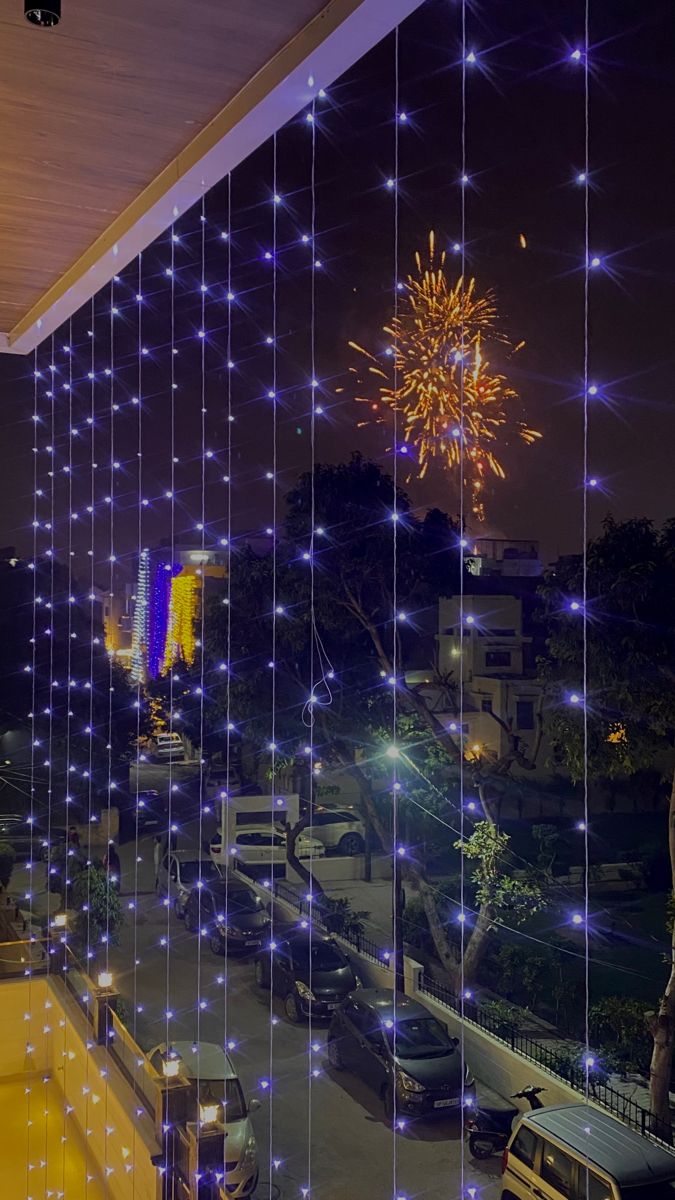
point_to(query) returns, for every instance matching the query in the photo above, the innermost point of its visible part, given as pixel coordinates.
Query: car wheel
(351, 844)
(335, 1055)
(260, 974)
(178, 910)
(292, 1008)
(217, 944)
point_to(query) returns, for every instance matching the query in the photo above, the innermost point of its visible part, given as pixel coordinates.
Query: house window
(524, 714)
(497, 658)
(486, 704)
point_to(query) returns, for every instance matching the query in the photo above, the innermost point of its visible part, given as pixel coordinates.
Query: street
(328, 1130)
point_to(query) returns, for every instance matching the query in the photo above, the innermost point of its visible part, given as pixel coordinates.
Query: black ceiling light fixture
(47, 14)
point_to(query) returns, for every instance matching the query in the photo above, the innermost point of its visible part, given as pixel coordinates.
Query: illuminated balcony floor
(37, 1162)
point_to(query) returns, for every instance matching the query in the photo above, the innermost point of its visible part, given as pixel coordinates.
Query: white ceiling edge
(323, 50)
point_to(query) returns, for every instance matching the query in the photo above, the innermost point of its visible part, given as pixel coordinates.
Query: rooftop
(629, 1158)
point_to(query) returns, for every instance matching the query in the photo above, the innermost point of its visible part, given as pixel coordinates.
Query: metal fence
(358, 941)
(569, 1068)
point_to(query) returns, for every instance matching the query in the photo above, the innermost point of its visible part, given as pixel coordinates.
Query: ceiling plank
(106, 208)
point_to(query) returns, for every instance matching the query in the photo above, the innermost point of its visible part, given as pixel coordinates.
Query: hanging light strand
(201, 618)
(315, 259)
(397, 963)
(585, 531)
(273, 739)
(461, 484)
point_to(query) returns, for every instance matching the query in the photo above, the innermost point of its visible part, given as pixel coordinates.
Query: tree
(99, 908)
(342, 672)
(627, 721)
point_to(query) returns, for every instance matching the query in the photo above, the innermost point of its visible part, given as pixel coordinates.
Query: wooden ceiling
(123, 106)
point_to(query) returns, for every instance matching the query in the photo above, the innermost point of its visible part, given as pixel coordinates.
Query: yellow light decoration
(443, 380)
(180, 634)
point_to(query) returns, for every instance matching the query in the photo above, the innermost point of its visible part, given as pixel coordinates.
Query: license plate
(254, 942)
(446, 1103)
(330, 1004)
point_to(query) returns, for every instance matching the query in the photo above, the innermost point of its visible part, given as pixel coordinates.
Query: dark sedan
(229, 913)
(403, 1052)
(310, 972)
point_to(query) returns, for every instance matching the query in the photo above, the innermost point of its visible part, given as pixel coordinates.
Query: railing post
(105, 999)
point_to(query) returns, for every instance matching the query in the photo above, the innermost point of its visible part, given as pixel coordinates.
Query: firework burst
(454, 409)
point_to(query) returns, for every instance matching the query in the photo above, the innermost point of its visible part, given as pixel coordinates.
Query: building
(503, 558)
(167, 600)
(502, 698)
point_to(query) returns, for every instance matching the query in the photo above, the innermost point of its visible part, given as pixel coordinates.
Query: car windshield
(326, 956)
(421, 1037)
(189, 871)
(235, 1107)
(236, 898)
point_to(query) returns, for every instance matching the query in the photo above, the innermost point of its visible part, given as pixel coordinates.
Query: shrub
(339, 917)
(99, 908)
(618, 1029)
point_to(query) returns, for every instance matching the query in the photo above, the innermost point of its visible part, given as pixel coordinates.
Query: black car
(401, 1050)
(148, 808)
(229, 913)
(309, 971)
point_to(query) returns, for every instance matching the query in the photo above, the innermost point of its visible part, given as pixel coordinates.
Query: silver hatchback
(179, 872)
(215, 1081)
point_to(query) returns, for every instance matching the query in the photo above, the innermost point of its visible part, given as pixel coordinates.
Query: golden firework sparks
(454, 408)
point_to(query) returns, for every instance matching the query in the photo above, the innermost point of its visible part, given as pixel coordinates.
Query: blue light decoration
(158, 613)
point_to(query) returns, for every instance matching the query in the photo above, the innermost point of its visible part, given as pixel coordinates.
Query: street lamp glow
(393, 752)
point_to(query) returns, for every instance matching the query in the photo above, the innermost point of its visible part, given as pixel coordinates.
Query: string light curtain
(200, 328)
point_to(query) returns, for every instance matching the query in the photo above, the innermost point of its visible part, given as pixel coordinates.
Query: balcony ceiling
(114, 122)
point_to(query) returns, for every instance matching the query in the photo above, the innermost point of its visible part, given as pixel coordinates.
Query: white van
(168, 746)
(578, 1152)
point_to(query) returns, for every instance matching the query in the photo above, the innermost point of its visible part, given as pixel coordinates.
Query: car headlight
(409, 1084)
(248, 1153)
(303, 991)
(357, 982)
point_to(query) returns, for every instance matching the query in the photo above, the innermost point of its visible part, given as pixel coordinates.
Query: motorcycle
(489, 1129)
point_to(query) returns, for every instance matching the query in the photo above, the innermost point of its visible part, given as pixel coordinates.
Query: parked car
(166, 746)
(179, 872)
(147, 808)
(37, 837)
(309, 971)
(339, 830)
(230, 914)
(577, 1150)
(420, 1066)
(210, 1069)
(258, 845)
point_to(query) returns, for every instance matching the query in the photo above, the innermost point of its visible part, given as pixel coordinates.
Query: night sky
(525, 139)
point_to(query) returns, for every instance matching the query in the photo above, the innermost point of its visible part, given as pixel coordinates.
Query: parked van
(168, 746)
(577, 1152)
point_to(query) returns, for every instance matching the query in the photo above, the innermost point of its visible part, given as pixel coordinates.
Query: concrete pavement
(326, 1130)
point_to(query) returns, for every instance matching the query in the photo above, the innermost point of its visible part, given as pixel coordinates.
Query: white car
(257, 844)
(179, 871)
(339, 830)
(209, 1068)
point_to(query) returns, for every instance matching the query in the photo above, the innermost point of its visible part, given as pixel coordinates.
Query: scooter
(489, 1129)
